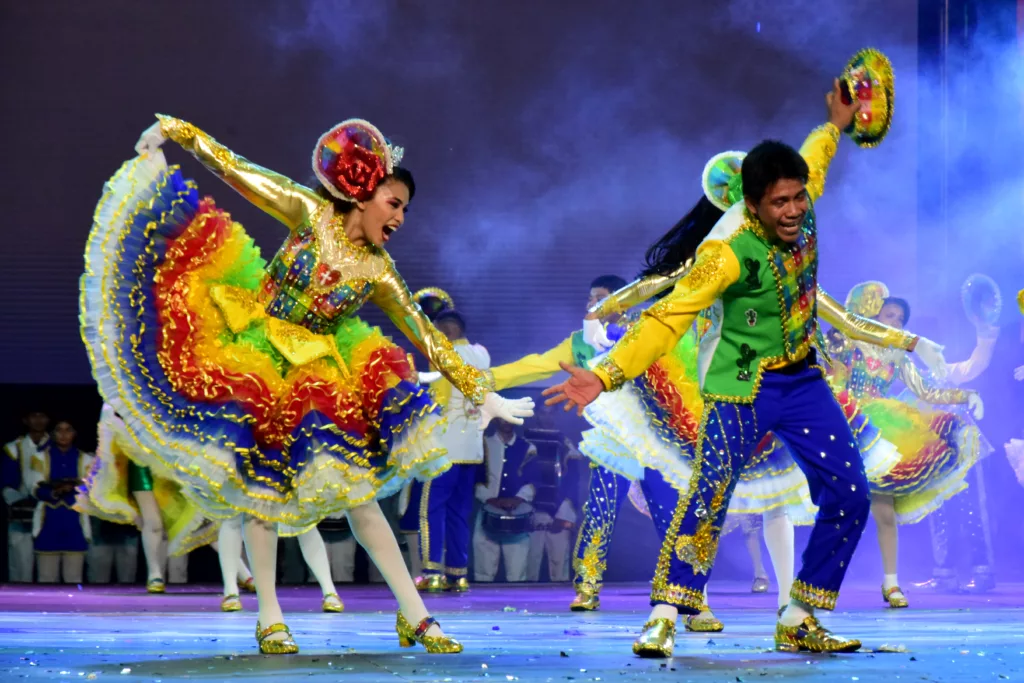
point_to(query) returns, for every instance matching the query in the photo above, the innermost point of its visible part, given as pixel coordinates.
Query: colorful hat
(722, 180)
(975, 290)
(352, 158)
(434, 301)
(866, 299)
(869, 78)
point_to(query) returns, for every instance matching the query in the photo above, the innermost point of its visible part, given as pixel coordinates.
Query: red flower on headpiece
(357, 172)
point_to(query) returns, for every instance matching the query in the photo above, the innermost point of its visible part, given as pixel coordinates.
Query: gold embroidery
(615, 374)
(814, 596)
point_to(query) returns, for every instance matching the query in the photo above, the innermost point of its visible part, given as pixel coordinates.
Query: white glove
(429, 377)
(150, 140)
(1018, 374)
(512, 410)
(595, 335)
(976, 406)
(930, 354)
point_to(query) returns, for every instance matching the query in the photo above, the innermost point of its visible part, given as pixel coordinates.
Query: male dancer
(757, 273)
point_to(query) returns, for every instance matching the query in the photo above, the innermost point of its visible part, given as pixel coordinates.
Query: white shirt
(464, 438)
(22, 450)
(494, 452)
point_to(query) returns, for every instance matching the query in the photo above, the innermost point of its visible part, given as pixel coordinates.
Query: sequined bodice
(317, 291)
(871, 370)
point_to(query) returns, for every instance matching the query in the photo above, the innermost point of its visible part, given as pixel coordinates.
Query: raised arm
(637, 292)
(860, 328)
(661, 326)
(284, 199)
(393, 297)
(818, 150)
(910, 376)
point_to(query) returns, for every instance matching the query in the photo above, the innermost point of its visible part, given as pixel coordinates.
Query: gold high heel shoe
(894, 597)
(156, 586)
(459, 585)
(332, 603)
(435, 645)
(432, 583)
(285, 646)
(249, 586)
(705, 622)
(231, 603)
(657, 640)
(585, 601)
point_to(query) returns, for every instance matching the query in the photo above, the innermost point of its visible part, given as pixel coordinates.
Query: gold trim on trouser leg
(425, 532)
(814, 596)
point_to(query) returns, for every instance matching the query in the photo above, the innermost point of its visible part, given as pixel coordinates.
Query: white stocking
(778, 536)
(372, 531)
(229, 551)
(261, 545)
(154, 545)
(314, 552)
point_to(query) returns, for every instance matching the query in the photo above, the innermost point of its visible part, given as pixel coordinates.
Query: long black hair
(680, 243)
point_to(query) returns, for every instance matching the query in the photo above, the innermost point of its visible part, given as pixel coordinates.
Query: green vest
(582, 352)
(767, 316)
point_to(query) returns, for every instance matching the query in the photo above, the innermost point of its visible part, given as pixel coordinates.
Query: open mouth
(388, 230)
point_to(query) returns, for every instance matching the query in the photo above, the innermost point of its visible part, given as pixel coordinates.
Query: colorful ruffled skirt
(247, 412)
(934, 450)
(107, 491)
(653, 422)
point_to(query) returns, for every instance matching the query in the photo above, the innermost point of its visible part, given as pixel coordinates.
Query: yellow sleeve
(1020, 301)
(661, 326)
(393, 297)
(818, 150)
(910, 376)
(860, 328)
(637, 292)
(284, 199)
(532, 368)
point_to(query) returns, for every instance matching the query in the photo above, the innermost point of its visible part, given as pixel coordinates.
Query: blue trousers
(799, 407)
(607, 493)
(440, 510)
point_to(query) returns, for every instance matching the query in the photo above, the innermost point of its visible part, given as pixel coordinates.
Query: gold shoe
(811, 636)
(434, 645)
(285, 646)
(705, 622)
(231, 603)
(332, 603)
(657, 640)
(585, 601)
(432, 583)
(156, 586)
(894, 597)
(760, 585)
(460, 585)
(249, 586)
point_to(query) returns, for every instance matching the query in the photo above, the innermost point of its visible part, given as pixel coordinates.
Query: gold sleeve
(661, 325)
(860, 328)
(532, 368)
(284, 199)
(818, 150)
(393, 297)
(910, 376)
(1020, 301)
(637, 292)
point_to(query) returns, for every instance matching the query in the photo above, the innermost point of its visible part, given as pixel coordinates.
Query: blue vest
(512, 472)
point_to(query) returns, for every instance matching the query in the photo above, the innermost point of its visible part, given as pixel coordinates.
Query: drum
(504, 523)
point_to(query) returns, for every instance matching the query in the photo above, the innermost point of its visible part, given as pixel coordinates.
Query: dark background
(551, 141)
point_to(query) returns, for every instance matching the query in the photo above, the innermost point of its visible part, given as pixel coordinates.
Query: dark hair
(680, 243)
(341, 207)
(902, 303)
(769, 162)
(453, 315)
(612, 283)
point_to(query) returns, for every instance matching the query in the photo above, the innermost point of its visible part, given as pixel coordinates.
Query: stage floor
(522, 633)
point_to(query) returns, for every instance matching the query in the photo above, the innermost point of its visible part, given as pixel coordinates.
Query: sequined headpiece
(352, 158)
(722, 181)
(434, 301)
(866, 299)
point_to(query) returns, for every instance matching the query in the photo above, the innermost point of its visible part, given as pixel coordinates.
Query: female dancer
(255, 382)
(936, 448)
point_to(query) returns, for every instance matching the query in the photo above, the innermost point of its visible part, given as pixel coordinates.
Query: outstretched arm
(284, 199)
